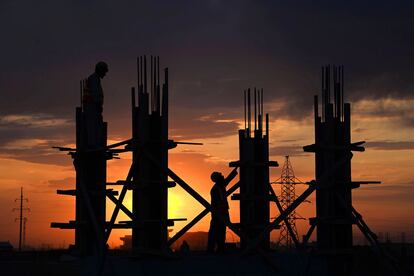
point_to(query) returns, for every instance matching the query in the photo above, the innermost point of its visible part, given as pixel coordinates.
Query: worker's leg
(221, 236)
(212, 233)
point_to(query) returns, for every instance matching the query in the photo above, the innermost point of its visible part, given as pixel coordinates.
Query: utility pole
(21, 218)
(24, 233)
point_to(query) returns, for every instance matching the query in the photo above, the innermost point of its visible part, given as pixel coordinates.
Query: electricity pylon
(287, 196)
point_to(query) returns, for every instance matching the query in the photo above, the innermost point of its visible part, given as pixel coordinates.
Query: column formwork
(254, 166)
(150, 182)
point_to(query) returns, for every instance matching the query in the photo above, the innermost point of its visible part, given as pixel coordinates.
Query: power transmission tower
(22, 219)
(287, 196)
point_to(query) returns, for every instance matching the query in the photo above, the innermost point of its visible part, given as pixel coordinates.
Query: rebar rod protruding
(330, 85)
(145, 75)
(166, 94)
(158, 70)
(81, 93)
(267, 124)
(342, 89)
(157, 84)
(142, 75)
(259, 112)
(133, 97)
(335, 91)
(262, 102)
(245, 122)
(152, 85)
(248, 113)
(323, 92)
(138, 80)
(255, 112)
(165, 98)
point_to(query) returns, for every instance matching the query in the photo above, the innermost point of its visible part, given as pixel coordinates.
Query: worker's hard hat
(216, 176)
(101, 66)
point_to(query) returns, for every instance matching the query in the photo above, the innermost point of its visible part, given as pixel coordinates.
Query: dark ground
(59, 262)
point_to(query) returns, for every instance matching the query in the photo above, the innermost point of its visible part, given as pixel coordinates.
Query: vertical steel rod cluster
(332, 143)
(254, 166)
(333, 148)
(150, 182)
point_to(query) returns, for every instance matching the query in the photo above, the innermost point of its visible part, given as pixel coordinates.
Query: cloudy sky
(214, 50)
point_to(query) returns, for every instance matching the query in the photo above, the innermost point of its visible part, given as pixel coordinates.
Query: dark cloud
(288, 140)
(403, 192)
(38, 155)
(62, 183)
(30, 138)
(397, 110)
(391, 145)
(214, 49)
(208, 126)
(359, 130)
(294, 150)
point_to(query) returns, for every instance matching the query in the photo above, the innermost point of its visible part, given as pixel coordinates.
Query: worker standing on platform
(93, 99)
(220, 215)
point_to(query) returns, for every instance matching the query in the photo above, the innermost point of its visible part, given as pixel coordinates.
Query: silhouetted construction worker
(220, 214)
(93, 99)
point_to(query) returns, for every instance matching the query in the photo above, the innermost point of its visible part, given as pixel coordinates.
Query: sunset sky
(214, 50)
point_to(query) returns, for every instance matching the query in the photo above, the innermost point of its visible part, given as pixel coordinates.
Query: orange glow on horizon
(195, 164)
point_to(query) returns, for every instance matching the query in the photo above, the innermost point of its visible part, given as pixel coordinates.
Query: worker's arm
(230, 177)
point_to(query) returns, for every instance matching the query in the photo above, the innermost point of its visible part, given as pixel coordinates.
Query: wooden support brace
(369, 235)
(308, 235)
(122, 196)
(351, 147)
(121, 206)
(118, 204)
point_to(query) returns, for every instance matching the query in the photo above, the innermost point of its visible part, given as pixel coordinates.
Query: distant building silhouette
(197, 241)
(6, 246)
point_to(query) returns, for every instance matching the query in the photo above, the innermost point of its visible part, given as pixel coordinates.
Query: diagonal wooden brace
(122, 196)
(121, 206)
(308, 235)
(119, 203)
(369, 235)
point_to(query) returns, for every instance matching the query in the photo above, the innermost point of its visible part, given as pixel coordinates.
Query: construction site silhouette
(150, 250)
